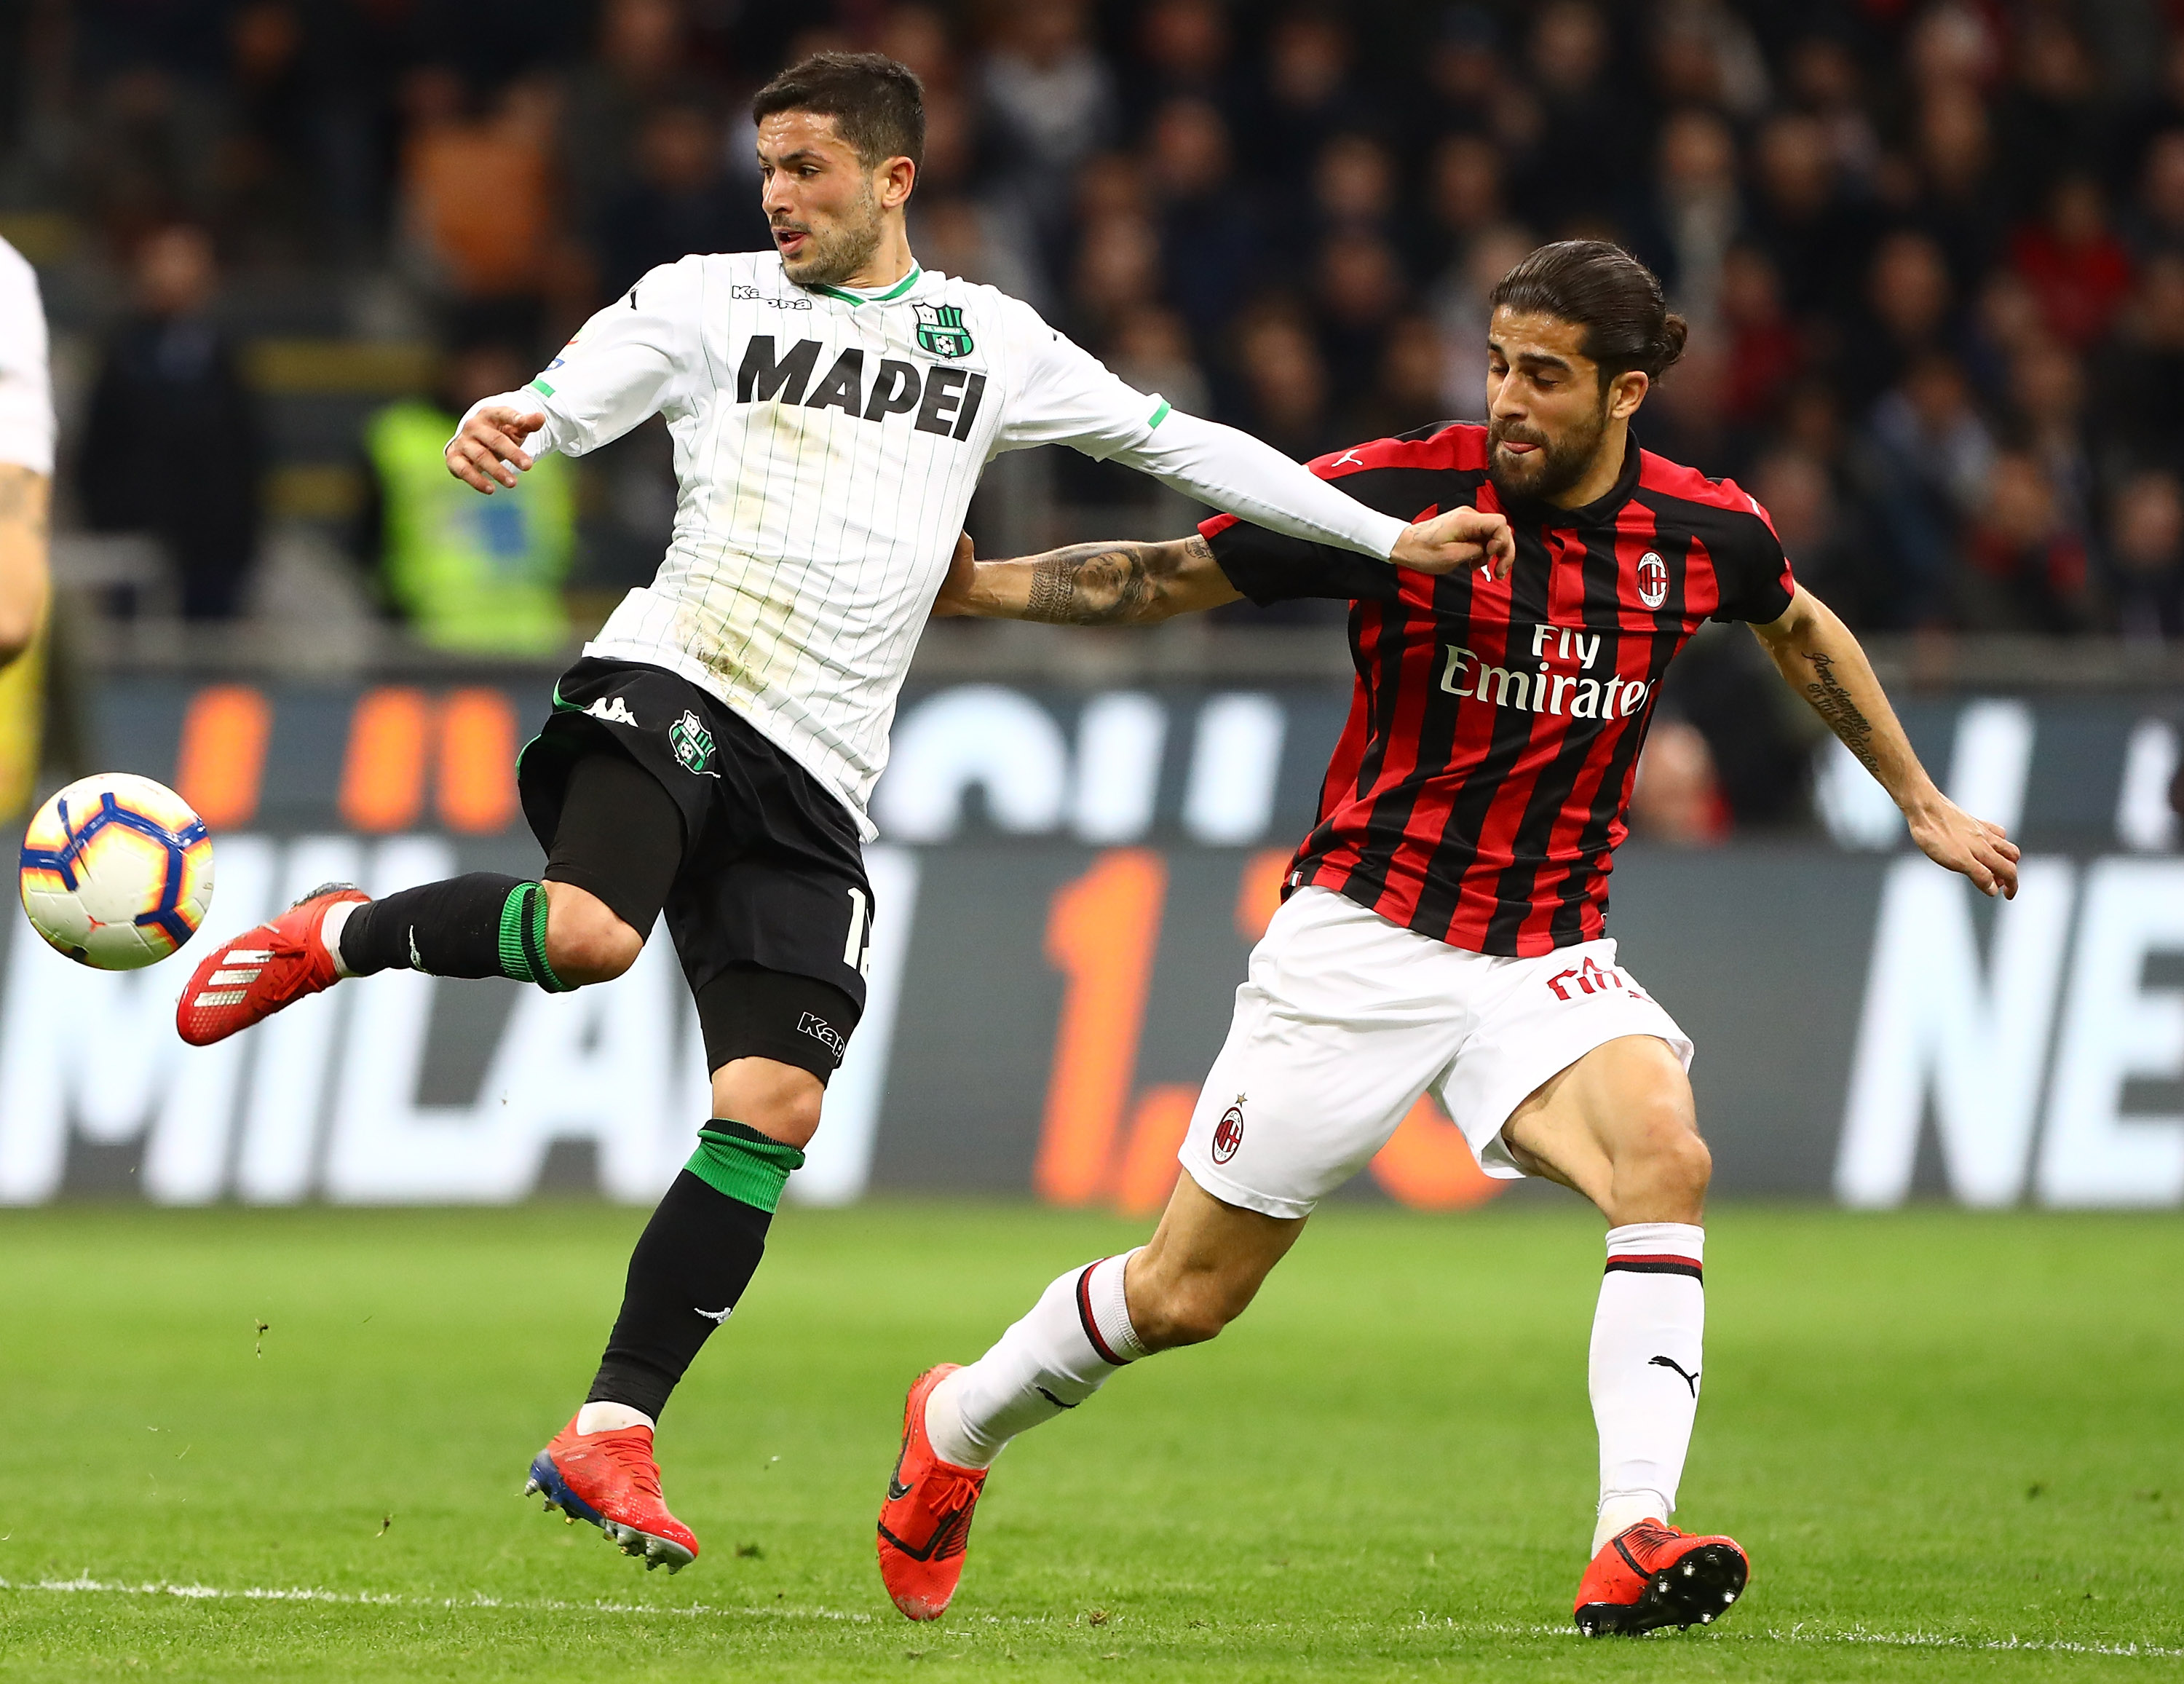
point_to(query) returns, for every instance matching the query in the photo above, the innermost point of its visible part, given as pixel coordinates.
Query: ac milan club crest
(1228, 1133)
(1652, 579)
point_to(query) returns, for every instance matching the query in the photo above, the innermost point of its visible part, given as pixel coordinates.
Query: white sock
(609, 1418)
(329, 931)
(1647, 1335)
(1076, 1334)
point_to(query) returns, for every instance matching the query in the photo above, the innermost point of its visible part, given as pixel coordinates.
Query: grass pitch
(1954, 1445)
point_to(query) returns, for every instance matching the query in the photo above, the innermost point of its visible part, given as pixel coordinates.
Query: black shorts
(772, 875)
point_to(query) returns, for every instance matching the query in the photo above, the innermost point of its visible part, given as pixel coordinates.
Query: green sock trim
(523, 939)
(735, 1159)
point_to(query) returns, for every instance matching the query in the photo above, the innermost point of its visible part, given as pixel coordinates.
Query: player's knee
(585, 941)
(779, 1100)
(1679, 1160)
(1167, 1313)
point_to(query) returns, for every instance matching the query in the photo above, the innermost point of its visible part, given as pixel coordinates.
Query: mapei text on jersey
(943, 400)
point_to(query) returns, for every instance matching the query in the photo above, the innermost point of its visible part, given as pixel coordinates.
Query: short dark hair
(1603, 289)
(877, 104)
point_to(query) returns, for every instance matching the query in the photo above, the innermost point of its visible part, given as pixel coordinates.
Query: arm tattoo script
(20, 500)
(1106, 584)
(1833, 704)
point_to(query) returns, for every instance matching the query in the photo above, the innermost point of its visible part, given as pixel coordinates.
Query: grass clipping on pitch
(289, 1445)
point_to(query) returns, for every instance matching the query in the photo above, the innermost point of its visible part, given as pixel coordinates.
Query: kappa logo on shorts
(615, 712)
(812, 1024)
(1228, 1133)
(693, 745)
(1592, 978)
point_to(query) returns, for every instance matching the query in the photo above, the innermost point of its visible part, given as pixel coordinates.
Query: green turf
(1937, 1433)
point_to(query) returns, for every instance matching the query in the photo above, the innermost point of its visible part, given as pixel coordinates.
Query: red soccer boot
(925, 1521)
(1651, 1575)
(611, 1479)
(268, 967)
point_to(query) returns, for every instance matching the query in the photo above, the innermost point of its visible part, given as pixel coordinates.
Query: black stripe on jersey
(1388, 825)
(1519, 888)
(1452, 855)
(1601, 608)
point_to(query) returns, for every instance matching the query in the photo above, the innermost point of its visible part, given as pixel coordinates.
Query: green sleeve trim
(541, 386)
(737, 1161)
(1159, 415)
(523, 939)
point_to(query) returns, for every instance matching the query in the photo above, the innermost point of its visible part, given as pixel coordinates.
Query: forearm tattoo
(1833, 704)
(22, 499)
(1107, 584)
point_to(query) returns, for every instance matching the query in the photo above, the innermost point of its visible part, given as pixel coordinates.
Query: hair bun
(1675, 332)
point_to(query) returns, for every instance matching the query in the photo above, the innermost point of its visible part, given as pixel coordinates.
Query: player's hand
(489, 450)
(1462, 538)
(955, 596)
(1949, 836)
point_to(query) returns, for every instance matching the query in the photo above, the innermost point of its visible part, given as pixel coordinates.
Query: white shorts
(1347, 1018)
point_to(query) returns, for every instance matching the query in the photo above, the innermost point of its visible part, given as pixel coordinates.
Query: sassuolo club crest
(692, 742)
(940, 331)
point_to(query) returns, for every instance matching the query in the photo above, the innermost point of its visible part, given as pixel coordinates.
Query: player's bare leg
(1199, 1272)
(1619, 1126)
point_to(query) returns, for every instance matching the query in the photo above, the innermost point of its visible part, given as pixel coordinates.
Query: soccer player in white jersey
(832, 405)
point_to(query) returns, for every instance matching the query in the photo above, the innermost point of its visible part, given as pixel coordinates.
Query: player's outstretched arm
(1087, 584)
(1824, 663)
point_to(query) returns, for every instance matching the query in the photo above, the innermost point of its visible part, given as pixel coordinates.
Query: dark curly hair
(1603, 289)
(877, 104)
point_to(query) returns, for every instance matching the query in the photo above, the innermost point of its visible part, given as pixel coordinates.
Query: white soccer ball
(116, 871)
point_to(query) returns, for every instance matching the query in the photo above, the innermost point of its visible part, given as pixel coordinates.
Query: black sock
(482, 925)
(689, 1269)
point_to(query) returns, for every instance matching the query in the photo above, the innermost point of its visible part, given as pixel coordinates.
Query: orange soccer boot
(925, 1521)
(269, 965)
(611, 1479)
(1651, 1575)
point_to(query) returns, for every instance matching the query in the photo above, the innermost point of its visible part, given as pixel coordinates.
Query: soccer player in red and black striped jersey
(1444, 925)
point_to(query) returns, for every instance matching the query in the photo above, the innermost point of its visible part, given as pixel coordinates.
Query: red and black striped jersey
(1479, 789)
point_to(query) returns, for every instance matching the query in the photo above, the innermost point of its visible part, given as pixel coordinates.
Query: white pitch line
(1796, 1634)
(195, 1593)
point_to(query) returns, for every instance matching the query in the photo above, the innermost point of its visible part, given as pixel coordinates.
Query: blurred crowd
(1932, 254)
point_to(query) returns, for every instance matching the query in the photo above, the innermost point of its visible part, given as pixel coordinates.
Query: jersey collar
(873, 295)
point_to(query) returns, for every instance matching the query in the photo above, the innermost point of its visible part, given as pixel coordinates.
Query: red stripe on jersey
(1689, 485)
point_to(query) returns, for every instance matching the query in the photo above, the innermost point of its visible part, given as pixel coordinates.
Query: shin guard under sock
(482, 925)
(693, 1263)
(1063, 1351)
(1647, 1335)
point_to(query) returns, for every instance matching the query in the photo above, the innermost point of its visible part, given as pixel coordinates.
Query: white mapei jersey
(27, 392)
(827, 445)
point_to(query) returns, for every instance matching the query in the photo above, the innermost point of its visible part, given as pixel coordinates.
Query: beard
(832, 256)
(1545, 473)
